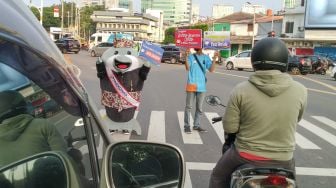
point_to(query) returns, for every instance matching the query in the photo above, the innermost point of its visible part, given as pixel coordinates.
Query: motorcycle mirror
(143, 164)
(213, 100)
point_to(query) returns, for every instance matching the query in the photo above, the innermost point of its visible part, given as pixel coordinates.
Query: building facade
(195, 13)
(305, 38)
(219, 11)
(175, 12)
(249, 8)
(141, 26)
(91, 2)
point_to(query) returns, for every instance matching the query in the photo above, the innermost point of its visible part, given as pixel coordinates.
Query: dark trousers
(231, 160)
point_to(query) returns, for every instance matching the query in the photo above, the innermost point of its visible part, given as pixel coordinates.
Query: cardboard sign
(217, 40)
(190, 38)
(151, 52)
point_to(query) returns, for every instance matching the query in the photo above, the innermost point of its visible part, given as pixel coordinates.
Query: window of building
(302, 2)
(289, 27)
(250, 27)
(289, 3)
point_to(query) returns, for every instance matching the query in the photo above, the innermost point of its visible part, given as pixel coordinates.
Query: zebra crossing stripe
(326, 121)
(304, 143)
(156, 130)
(193, 138)
(318, 131)
(217, 126)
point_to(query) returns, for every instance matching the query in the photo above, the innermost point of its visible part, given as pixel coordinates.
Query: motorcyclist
(261, 115)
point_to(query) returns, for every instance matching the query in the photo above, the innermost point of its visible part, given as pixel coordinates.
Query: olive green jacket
(24, 135)
(264, 112)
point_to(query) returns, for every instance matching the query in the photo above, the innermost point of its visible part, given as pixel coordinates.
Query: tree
(86, 24)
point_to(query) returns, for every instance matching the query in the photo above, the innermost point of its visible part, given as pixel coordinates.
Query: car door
(100, 48)
(244, 60)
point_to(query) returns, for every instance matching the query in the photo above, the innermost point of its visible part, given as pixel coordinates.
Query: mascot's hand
(101, 71)
(144, 70)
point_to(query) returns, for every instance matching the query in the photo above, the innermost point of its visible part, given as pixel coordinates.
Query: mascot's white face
(122, 59)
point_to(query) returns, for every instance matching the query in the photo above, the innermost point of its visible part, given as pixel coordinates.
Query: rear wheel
(76, 52)
(93, 53)
(240, 69)
(173, 60)
(229, 66)
(295, 70)
(64, 51)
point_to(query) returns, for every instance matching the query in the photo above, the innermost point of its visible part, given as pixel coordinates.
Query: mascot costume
(122, 74)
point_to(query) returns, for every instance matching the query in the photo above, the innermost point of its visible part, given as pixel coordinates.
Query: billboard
(216, 40)
(320, 14)
(56, 11)
(189, 38)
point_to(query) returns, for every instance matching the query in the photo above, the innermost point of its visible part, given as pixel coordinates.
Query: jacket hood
(271, 82)
(12, 128)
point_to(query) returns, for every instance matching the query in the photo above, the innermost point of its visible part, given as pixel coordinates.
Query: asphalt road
(161, 112)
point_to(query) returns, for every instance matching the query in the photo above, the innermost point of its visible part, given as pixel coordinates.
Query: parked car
(68, 45)
(99, 49)
(173, 54)
(333, 70)
(240, 61)
(299, 64)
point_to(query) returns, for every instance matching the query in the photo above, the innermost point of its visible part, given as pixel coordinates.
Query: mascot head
(123, 59)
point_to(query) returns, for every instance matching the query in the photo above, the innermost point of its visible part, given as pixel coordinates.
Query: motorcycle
(248, 175)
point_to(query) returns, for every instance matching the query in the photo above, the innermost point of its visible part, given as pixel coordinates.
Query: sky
(205, 5)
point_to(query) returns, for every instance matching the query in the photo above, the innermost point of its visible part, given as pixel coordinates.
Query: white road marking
(326, 121)
(318, 131)
(303, 171)
(156, 129)
(304, 143)
(193, 138)
(59, 121)
(217, 126)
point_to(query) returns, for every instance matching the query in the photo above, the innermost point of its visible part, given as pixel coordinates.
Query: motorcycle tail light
(274, 181)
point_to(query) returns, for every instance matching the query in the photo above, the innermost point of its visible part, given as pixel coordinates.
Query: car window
(100, 39)
(244, 54)
(32, 122)
(109, 45)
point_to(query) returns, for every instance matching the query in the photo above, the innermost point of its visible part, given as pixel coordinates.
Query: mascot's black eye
(129, 52)
(116, 52)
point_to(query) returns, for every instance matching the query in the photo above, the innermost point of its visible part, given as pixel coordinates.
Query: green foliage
(170, 32)
(87, 25)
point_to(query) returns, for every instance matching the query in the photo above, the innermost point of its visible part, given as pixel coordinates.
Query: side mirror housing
(49, 169)
(143, 164)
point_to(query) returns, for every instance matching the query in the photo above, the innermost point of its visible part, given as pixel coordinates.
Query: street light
(253, 21)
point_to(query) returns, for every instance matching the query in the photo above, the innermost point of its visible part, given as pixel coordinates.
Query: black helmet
(270, 54)
(12, 103)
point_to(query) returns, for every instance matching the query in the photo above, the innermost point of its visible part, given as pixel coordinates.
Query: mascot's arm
(101, 71)
(144, 70)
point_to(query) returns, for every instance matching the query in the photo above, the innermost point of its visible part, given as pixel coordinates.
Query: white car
(333, 72)
(240, 61)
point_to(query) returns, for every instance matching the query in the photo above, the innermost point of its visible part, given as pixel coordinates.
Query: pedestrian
(197, 65)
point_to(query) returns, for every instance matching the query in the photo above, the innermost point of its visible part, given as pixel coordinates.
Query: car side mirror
(49, 169)
(213, 100)
(144, 164)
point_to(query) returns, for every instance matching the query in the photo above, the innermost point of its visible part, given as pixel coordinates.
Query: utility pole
(72, 3)
(41, 13)
(62, 20)
(68, 20)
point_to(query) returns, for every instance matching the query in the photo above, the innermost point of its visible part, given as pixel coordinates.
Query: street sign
(151, 52)
(216, 40)
(56, 11)
(190, 38)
